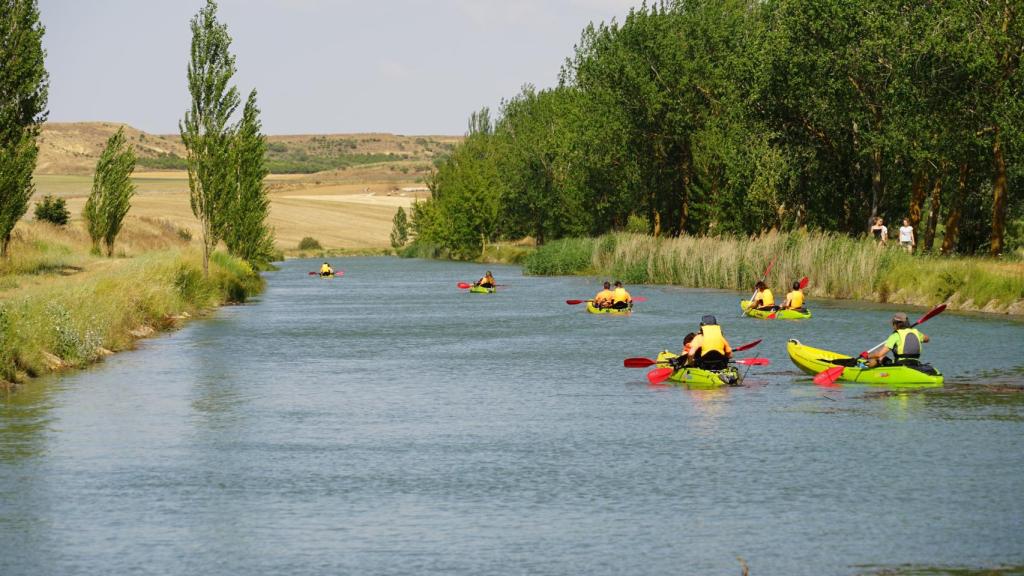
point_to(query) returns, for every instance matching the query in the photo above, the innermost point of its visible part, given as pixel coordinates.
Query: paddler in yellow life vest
(904, 343)
(795, 299)
(763, 298)
(620, 298)
(709, 349)
(326, 270)
(605, 297)
(486, 282)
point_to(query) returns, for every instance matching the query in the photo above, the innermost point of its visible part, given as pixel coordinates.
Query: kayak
(482, 290)
(613, 311)
(699, 378)
(814, 360)
(779, 314)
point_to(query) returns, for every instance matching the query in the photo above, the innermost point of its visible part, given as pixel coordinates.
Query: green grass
(838, 267)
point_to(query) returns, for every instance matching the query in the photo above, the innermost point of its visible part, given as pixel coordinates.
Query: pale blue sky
(320, 66)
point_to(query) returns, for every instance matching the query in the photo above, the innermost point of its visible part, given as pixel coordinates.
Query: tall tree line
(737, 116)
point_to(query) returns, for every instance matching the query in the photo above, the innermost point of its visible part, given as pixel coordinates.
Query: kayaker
(605, 297)
(763, 297)
(326, 270)
(795, 298)
(486, 282)
(904, 343)
(709, 349)
(620, 298)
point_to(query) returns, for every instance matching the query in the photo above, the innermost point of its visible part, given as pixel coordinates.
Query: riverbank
(838, 267)
(62, 307)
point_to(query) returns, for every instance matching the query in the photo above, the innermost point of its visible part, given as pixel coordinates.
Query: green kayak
(482, 290)
(815, 360)
(698, 378)
(800, 314)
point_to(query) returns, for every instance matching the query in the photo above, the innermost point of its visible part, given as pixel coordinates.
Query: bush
(310, 243)
(637, 225)
(53, 210)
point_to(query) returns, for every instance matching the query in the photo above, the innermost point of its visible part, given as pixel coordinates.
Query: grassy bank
(496, 253)
(61, 307)
(838, 267)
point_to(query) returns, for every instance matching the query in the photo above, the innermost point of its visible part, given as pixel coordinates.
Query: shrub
(53, 210)
(637, 224)
(309, 243)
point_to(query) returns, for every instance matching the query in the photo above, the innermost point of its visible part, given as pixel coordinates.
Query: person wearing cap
(904, 343)
(605, 297)
(795, 299)
(709, 349)
(486, 282)
(621, 298)
(763, 297)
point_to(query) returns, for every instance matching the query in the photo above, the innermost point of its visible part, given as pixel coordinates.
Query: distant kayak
(482, 290)
(612, 311)
(787, 314)
(814, 360)
(700, 378)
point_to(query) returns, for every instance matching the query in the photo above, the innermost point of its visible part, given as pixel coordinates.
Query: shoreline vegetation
(838, 266)
(62, 307)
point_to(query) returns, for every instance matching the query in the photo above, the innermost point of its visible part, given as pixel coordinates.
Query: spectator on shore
(907, 240)
(880, 232)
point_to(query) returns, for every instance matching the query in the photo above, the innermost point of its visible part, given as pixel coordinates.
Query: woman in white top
(879, 231)
(907, 236)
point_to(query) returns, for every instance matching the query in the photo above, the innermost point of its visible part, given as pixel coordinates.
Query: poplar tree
(399, 229)
(206, 131)
(24, 86)
(246, 232)
(112, 190)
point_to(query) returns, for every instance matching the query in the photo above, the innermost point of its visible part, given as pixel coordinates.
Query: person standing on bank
(880, 232)
(907, 237)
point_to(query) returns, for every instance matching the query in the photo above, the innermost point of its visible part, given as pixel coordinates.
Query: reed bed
(838, 267)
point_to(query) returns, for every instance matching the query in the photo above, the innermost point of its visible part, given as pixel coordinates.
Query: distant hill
(73, 149)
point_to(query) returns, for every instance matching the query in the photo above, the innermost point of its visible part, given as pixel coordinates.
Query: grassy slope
(61, 307)
(838, 267)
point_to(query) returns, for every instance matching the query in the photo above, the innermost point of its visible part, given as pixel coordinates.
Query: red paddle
(659, 375)
(828, 376)
(747, 346)
(575, 302)
(754, 361)
(638, 362)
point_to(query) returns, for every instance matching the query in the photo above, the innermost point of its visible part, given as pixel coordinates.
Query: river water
(390, 423)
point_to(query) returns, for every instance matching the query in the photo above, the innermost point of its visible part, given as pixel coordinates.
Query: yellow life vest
(603, 297)
(325, 269)
(766, 297)
(620, 295)
(908, 347)
(796, 299)
(712, 339)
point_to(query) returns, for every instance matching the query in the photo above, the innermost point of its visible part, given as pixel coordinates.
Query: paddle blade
(803, 282)
(638, 362)
(828, 377)
(639, 299)
(339, 273)
(659, 375)
(313, 273)
(930, 314)
(754, 361)
(771, 316)
(574, 302)
(464, 285)
(747, 346)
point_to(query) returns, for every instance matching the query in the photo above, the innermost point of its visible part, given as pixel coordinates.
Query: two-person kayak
(909, 375)
(783, 314)
(700, 378)
(612, 311)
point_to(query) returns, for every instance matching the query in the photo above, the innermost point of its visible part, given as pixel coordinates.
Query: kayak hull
(814, 360)
(698, 378)
(481, 290)
(610, 311)
(779, 314)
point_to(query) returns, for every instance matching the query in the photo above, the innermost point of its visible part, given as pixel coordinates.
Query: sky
(319, 66)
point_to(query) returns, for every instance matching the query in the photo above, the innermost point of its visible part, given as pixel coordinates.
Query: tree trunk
(955, 207)
(917, 195)
(684, 208)
(657, 223)
(876, 181)
(933, 214)
(998, 199)
(3, 245)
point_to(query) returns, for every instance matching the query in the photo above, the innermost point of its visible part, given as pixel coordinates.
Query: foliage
(399, 229)
(310, 243)
(52, 209)
(246, 232)
(205, 130)
(167, 161)
(112, 190)
(24, 87)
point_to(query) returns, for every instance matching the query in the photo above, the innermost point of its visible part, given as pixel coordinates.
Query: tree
(112, 191)
(205, 130)
(53, 210)
(24, 86)
(246, 233)
(399, 229)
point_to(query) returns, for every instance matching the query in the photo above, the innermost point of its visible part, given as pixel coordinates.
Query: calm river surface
(389, 423)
